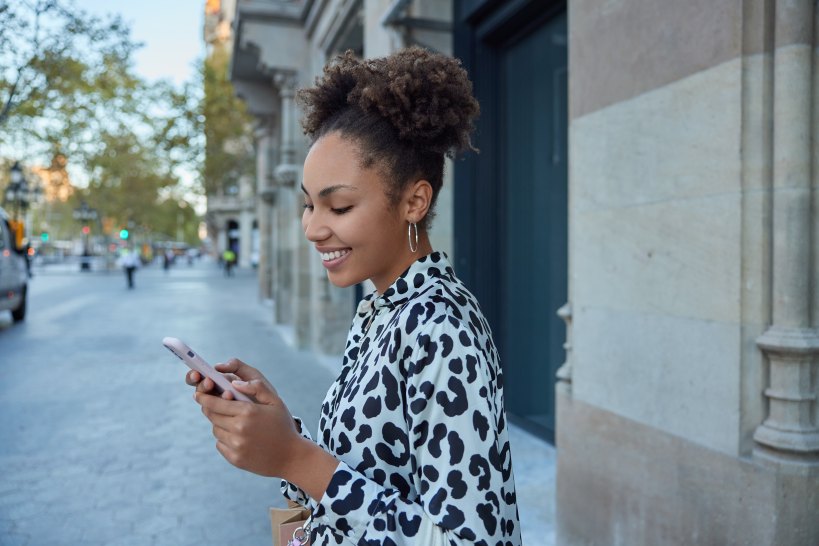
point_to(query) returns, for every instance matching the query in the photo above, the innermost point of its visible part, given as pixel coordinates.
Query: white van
(13, 274)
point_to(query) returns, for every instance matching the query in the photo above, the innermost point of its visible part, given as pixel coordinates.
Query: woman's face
(349, 218)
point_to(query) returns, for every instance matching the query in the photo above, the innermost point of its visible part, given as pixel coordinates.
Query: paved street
(101, 442)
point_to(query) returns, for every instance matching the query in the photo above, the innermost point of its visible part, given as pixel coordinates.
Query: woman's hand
(255, 437)
(232, 369)
(261, 437)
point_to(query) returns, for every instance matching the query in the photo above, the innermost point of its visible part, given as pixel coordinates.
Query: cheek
(385, 232)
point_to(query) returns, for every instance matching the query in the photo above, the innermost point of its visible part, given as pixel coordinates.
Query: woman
(412, 445)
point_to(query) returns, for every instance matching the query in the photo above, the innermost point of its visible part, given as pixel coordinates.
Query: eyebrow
(331, 189)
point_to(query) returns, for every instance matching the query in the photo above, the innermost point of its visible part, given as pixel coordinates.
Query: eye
(342, 211)
(307, 206)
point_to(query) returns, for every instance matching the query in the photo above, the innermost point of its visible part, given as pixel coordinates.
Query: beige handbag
(285, 522)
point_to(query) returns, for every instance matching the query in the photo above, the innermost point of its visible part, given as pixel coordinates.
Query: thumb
(258, 390)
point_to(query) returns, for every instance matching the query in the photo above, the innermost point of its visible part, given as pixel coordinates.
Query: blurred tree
(228, 142)
(68, 90)
(178, 220)
(57, 64)
(132, 181)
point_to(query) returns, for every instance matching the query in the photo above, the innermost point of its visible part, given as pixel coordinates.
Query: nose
(315, 229)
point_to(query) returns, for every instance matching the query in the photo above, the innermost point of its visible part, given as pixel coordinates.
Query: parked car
(13, 274)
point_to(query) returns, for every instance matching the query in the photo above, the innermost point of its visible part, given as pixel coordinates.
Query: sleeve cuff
(301, 429)
(349, 503)
(290, 491)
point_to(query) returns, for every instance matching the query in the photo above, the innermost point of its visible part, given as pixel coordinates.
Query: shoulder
(446, 329)
(445, 305)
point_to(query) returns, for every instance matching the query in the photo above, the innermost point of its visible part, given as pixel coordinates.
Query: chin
(342, 281)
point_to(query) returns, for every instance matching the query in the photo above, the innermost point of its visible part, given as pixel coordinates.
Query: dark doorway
(233, 236)
(533, 167)
(511, 217)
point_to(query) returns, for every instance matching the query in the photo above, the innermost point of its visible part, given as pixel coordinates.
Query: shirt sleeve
(459, 452)
(291, 491)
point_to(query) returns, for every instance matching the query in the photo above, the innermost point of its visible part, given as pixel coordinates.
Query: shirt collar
(410, 283)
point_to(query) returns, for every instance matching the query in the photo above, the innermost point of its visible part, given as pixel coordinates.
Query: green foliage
(131, 182)
(67, 88)
(177, 220)
(56, 64)
(228, 145)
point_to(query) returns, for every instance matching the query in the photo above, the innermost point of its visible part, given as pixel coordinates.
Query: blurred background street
(102, 442)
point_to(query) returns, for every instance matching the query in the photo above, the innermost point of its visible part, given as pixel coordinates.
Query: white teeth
(327, 256)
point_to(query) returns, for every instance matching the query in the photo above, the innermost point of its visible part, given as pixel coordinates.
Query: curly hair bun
(426, 97)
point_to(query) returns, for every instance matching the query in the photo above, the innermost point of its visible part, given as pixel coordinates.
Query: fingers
(193, 378)
(202, 384)
(223, 436)
(227, 453)
(214, 405)
(259, 390)
(206, 385)
(240, 369)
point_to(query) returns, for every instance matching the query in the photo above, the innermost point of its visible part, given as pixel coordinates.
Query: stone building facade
(231, 211)
(687, 410)
(648, 183)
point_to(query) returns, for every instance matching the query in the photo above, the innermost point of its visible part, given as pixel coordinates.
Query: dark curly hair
(405, 111)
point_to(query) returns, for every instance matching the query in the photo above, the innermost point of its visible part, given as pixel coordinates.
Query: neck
(406, 259)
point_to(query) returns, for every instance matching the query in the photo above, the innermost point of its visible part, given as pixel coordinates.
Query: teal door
(533, 112)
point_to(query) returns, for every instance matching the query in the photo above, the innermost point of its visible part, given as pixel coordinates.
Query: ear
(417, 200)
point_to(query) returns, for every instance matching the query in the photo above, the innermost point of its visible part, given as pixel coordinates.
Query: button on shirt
(416, 419)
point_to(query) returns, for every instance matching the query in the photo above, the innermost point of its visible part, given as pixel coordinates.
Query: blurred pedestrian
(130, 262)
(229, 259)
(167, 259)
(28, 254)
(413, 446)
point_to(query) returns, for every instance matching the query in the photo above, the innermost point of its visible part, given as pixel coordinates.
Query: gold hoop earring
(409, 236)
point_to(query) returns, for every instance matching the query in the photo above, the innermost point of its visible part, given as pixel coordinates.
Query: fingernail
(240, 383)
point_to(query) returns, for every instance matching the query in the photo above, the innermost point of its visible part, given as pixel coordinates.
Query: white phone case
(197, 363)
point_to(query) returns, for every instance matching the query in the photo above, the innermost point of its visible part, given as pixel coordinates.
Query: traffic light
(123, 234)
(44, 236)
(86, 230)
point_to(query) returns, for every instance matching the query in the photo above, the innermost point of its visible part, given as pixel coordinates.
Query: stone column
(379, 39)
(222, 242)
(290, 171)
(288, 232)
(792, 343)
(264, 204)
(245, 220)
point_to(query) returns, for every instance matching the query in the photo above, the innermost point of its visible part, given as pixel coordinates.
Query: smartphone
(197, 363)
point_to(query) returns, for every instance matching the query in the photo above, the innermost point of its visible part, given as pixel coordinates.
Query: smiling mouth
(336, 254)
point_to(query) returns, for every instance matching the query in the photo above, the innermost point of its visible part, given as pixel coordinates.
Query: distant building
(50, 213)
(232, 208)
(54, 180)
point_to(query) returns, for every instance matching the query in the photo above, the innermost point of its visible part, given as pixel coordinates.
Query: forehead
(336, 161)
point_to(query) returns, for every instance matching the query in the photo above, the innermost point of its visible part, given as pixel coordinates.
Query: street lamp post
(86, 215)
(19, 194)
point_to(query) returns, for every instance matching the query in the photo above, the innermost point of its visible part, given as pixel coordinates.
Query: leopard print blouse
(416, 419)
